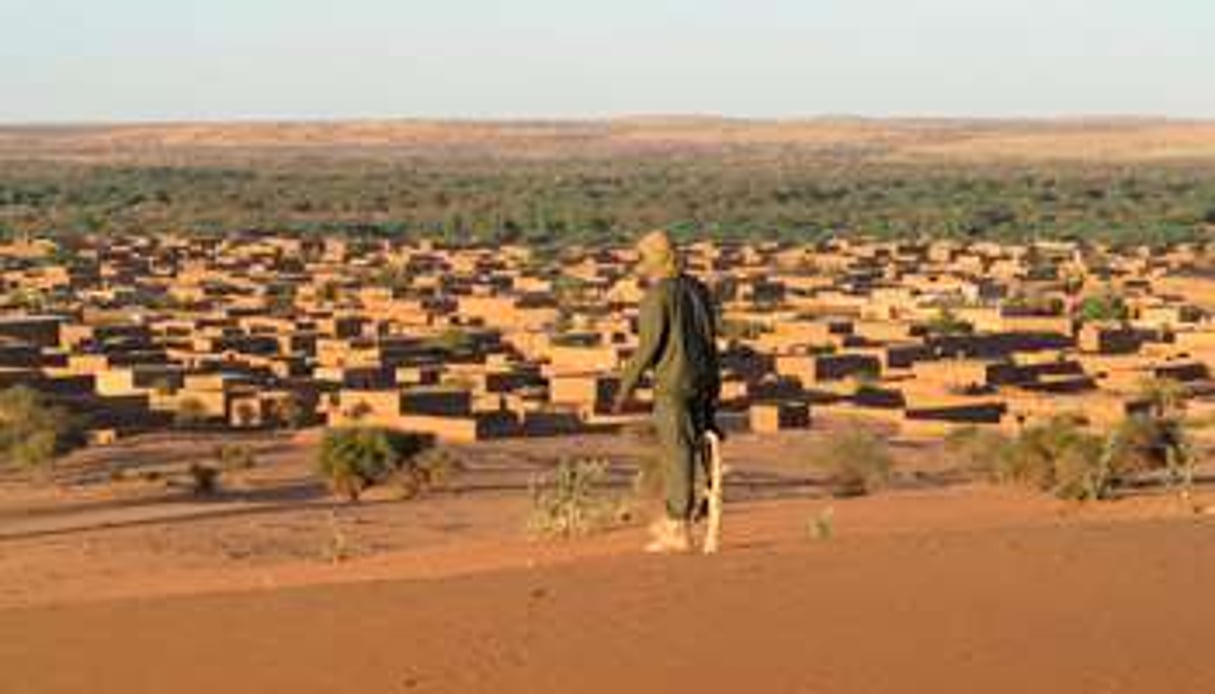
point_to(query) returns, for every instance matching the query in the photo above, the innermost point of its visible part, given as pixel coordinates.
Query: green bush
(570, 501)
(856, 462)
(351, 459)
(33, 433)
(1103, 308)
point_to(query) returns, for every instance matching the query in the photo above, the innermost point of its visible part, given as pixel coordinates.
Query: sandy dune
(930, 586)
(905, 140)
(1082, 609)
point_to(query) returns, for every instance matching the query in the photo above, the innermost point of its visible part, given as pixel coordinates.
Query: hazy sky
(70, 60)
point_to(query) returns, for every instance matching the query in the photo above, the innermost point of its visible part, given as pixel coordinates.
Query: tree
(1103, 308)
(856, 462)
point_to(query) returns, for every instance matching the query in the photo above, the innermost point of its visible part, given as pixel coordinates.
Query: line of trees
(594, 200)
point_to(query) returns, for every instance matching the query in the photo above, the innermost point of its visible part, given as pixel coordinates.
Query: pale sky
(115, 60)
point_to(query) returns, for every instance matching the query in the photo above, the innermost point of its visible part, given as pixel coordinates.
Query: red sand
(1082, 608)
(925, 588)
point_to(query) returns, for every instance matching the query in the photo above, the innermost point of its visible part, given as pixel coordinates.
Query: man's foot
(670, 537)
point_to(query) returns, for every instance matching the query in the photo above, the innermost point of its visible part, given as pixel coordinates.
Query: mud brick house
(472, 342)
(447, 414)
(582, 358)
(590, 394)
(528, 312)
(439, 401)
(1112, 339)
(897, 356)
(19, 355)
(1159, 315)
(39, 331)
(261, 408)
(799, 334)
(885, 330)
(767, 417)
(956, 411)
(138, 379)
(819, 368)
(997, 345)
(211, 394)
(486, 378)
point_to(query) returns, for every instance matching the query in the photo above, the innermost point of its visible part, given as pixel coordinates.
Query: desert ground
(1098, 139)
(127, 583)
(117, 576)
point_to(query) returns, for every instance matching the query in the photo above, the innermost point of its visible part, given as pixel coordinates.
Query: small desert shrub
(431, 469)
(204, 479)
(1144, 444)
(1164, 440)
(977, 451)
(33, 433)
(352, 459)
(1059, 457)
(235, 456)
(337, 548)
(570, 501)
(822, 525)
(1063, 458)
(856, 463)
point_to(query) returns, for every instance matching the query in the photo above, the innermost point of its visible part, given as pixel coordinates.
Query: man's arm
(652, 328)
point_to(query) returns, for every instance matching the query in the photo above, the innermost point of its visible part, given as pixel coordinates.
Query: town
(261, 330)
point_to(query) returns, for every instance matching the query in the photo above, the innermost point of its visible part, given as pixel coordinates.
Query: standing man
(679, 342)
